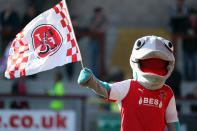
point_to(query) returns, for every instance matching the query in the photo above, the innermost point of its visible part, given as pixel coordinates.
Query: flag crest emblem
(46, 40)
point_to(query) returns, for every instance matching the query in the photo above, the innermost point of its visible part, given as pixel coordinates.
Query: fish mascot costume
(145, 102)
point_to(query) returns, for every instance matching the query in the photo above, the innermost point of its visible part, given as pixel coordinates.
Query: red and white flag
(46, 42)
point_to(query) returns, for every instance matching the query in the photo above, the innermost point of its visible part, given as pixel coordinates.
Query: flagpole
(64, 3)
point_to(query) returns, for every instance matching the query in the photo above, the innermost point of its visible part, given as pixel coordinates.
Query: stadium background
(126, 21)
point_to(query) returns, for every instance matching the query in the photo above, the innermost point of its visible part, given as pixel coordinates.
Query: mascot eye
(139, 44)
(169, 46)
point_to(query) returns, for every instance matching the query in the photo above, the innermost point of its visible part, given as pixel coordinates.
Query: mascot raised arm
(145, 102)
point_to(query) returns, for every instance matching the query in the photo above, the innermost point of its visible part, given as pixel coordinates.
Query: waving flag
(46, 42)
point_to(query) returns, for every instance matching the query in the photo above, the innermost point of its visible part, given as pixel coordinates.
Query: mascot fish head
(152, 61)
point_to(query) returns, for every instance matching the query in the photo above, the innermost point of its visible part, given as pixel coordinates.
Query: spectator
(58, 90)
(19, 88)
(116, 74)
(179, 10)
(178, 15)
(1, 105)
(174, 81)
(30, 14)
(3, 60)
(15, 105)
(37, 4)
(9, 21)
(190, 47)
(77, 27)
(70, 70)
(193, 95)
(97, 25)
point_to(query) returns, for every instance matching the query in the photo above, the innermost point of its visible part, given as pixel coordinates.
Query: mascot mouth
(154, 66)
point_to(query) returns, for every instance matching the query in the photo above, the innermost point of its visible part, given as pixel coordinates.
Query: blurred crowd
(183, 24)
(183, 21)
(11, 23)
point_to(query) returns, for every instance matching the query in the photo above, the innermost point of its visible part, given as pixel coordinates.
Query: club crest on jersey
(46, 40)
(150, 102)
(162, 94)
